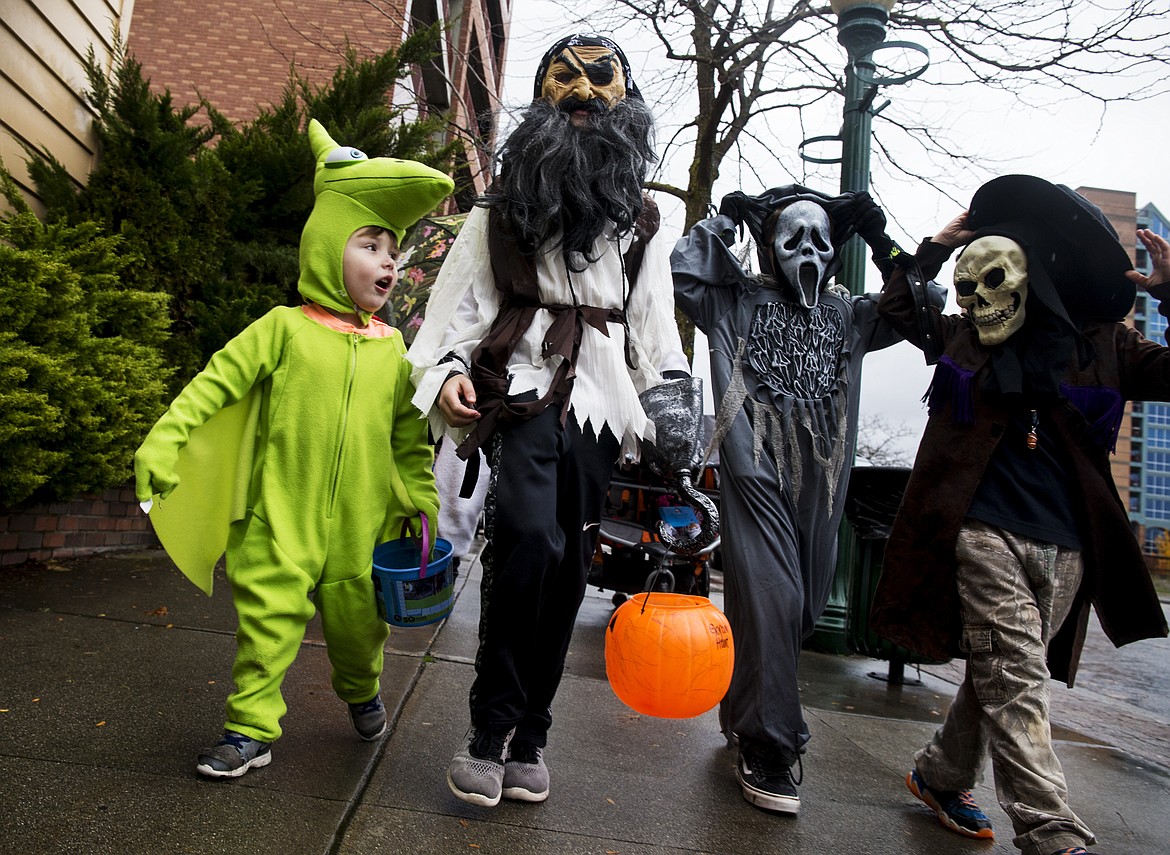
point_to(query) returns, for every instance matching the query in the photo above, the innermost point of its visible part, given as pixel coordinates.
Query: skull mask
(991, 278)
(803, 249)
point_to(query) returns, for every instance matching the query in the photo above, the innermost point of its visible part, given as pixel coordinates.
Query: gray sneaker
(476, 773)
(369, 719)
(233, 756)
(525, 775)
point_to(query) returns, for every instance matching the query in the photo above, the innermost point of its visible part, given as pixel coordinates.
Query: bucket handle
(424, 550)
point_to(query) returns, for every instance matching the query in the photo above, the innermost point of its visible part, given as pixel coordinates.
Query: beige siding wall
(42, 45)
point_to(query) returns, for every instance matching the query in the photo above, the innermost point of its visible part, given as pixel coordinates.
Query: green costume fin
(214, 466)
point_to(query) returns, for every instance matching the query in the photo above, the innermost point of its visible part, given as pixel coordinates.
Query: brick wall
(90, 524)
(236, 53)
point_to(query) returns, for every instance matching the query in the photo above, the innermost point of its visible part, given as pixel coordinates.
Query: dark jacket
(917, 601)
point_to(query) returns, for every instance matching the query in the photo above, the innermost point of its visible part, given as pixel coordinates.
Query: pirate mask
(803, 249)
(584, 73)
(991, 278)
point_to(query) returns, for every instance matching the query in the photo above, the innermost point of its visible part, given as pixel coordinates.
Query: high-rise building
(1149, 506)
(1141, 462)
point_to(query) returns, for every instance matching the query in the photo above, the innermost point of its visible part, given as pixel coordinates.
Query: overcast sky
(1068, 143)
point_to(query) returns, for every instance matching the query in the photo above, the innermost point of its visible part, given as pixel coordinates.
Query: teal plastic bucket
(410, 589)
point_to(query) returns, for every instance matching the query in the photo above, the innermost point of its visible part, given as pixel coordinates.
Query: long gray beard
(560, 180)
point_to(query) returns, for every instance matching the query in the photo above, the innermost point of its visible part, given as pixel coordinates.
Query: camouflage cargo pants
(1015, 592)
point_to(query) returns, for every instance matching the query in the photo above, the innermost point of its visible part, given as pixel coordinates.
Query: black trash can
(871, 503)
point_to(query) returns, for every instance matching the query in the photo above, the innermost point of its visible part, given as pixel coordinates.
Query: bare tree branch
(751, 72)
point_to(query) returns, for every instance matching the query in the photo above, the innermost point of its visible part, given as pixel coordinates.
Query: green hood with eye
(353, 191)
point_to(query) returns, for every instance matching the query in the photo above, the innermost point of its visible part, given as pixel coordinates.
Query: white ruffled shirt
(465, 301)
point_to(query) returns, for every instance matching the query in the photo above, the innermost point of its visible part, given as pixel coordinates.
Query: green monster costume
(297, 449)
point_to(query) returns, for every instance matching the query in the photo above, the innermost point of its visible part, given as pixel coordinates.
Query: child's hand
(457, 401)
(152, 477)
(1159, 250)
(955, 233)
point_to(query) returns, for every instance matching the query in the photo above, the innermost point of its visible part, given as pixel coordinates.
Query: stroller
(631, 556)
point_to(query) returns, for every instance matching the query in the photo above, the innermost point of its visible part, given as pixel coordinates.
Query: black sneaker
(369, 718)
(766, 780)
(956, 809)
(233, 756)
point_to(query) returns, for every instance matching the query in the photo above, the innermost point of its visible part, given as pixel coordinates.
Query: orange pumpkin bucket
(669, 655)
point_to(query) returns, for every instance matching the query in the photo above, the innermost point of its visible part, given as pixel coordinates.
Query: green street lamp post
(861, 30)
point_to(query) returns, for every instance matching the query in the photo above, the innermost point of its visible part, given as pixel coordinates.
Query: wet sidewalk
(115, 669)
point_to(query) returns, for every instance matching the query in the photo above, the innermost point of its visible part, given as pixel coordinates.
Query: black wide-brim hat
(1101, 291)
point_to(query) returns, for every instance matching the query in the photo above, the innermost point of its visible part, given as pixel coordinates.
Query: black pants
(548, 494)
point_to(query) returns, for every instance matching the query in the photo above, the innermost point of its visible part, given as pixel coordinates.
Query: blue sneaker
(956, 809)
(369, 718)
(233, 756)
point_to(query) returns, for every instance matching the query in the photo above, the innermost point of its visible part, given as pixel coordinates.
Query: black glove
(869, 220)
(738, 208)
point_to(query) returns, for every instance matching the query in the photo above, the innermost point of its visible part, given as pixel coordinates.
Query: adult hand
(955, 233)
(457, 401)
(1159, 249)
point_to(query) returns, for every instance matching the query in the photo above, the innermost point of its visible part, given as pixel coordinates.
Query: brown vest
(515, 275)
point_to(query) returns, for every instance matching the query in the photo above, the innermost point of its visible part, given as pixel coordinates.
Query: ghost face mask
(803, 250)
(991, 278)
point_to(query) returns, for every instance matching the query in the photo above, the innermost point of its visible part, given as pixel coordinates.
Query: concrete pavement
(114, 670)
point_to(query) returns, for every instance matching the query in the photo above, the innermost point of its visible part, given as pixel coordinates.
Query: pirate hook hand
(457, 401)
(1159, 250)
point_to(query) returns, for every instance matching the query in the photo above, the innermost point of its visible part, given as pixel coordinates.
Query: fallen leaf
(36, 700)
(464, 823)
(473, 845)
(100, 724)
(611, 801)
(161, 611)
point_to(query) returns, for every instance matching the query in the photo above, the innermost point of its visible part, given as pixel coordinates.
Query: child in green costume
(297, 449)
